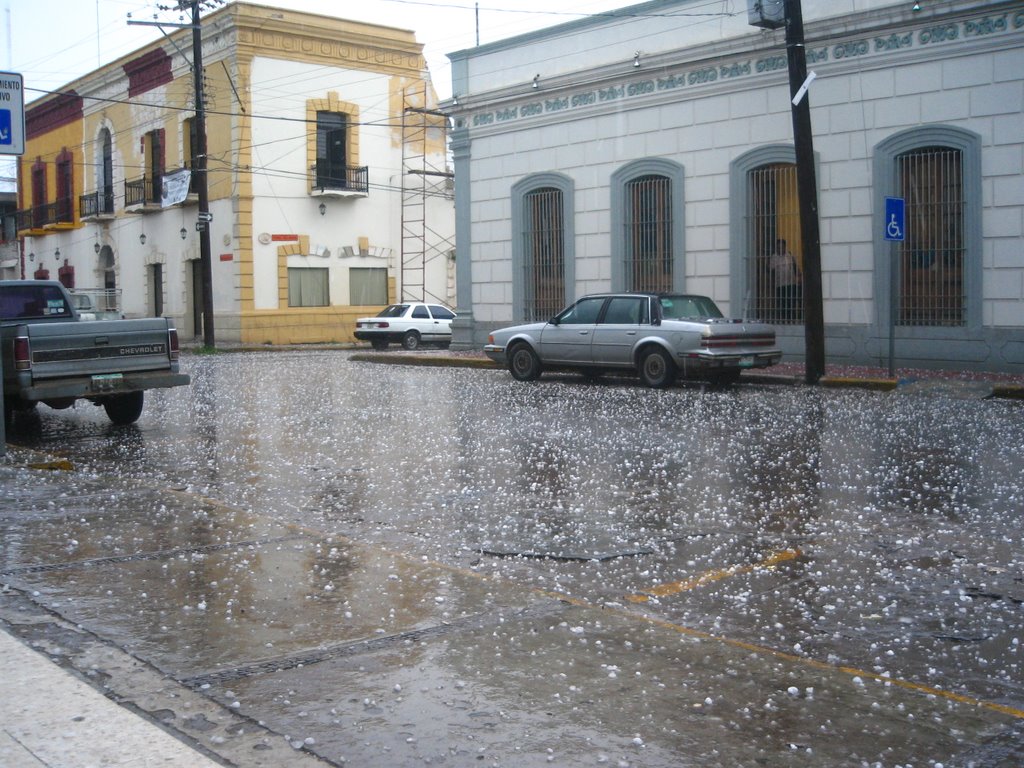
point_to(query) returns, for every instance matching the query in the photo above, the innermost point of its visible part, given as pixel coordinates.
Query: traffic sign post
(12, 142)
(12, 114)
(895, 231)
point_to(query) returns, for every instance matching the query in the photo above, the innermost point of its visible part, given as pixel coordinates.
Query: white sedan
(410, 324)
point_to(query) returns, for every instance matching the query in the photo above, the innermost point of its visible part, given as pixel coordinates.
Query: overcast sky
(52, 42)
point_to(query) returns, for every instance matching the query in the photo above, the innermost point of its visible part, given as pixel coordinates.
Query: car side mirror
(553, 321)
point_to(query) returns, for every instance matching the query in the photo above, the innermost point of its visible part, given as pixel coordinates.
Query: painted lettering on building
(711, 75)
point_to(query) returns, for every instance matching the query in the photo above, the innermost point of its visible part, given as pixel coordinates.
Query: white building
(326, 169)
(652, 149)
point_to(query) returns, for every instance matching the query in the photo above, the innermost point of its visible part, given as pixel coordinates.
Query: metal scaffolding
(425, 179)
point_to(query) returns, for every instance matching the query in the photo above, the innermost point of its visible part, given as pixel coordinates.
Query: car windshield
(688, 307)
(395, 310)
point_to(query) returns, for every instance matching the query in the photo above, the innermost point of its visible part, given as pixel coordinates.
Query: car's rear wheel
(411, 340)
(523, 363)
(656, 368)
(379, 344)
(124, 409)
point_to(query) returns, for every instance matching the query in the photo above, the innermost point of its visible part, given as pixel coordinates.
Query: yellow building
(327, 178)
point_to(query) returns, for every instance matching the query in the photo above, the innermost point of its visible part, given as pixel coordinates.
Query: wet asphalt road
(374, 565)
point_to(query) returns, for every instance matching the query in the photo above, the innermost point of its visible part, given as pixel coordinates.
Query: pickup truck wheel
(379, 345)
(523, 363)
(656, 368)
(411, 340)
(124, 409)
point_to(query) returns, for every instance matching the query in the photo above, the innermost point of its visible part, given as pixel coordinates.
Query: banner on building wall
(174, 188)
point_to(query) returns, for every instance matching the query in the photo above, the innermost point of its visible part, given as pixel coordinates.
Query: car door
(567, 340)
(443, 317)
(420, 319)
(615, 336)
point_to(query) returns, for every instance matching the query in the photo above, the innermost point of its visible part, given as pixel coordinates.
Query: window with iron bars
(931, 257)
(648, 225)
(774, 263)
(543, 249)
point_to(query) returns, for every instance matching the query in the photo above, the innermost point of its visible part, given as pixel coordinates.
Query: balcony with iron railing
(340, 181)
(59, 214)
(96, 205)
(142, 194)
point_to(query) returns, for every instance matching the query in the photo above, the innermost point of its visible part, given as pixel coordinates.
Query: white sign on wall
(12, 114)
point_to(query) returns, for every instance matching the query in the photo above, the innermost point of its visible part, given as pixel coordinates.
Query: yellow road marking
(778, 557)
(717, 574)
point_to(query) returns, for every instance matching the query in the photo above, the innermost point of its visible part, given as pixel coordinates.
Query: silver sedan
(658, 336)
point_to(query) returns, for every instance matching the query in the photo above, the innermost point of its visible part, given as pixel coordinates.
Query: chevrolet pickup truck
(52, 356)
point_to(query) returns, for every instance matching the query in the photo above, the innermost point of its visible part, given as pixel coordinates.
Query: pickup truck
(52, 356)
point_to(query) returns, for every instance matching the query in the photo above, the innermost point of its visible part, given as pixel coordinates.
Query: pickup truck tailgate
(98, 347)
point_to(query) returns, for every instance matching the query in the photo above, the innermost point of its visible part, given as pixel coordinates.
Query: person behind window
(786, 275)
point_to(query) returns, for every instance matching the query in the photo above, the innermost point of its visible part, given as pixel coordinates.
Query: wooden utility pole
(199, 166)
(807, 193)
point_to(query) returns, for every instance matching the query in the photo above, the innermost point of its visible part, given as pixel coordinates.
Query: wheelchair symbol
(893, 229)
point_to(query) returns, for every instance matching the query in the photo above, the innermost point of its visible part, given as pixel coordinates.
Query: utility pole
(199, 163)
(199, 166)
(807, 193)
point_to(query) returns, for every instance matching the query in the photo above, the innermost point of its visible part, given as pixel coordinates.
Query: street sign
(895, 210)
(205, 216)
(12, 114)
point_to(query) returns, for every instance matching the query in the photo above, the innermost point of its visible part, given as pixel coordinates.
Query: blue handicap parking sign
(6, 134)
(894, 218)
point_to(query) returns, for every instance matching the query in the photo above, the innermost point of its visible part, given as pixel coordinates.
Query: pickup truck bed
(53, 357)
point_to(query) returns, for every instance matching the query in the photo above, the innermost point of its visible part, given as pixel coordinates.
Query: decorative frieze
(752, 67)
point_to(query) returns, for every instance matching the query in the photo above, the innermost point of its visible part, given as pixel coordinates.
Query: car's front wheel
(411, 340)
(656, 368)
(523, 363)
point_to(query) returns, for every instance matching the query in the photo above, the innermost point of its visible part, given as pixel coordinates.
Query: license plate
(747, 361)
(106, 381)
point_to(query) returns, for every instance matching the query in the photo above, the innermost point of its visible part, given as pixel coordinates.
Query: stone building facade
(652, 149)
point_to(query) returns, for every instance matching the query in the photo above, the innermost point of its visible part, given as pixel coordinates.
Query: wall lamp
(183, 232)
(917, 7)
(536, 81)
(323, 209)
(142, 239)
(56, 254)
(96, 247)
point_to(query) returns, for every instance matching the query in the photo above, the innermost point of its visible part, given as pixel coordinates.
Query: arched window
(105, 182)
(649, 234)
(542, 241)
(766, 252)
(933, 276)
(774, 246)
(647, 226)
(931, 255)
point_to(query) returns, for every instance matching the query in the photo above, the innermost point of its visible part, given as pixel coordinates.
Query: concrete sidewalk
(48, 717)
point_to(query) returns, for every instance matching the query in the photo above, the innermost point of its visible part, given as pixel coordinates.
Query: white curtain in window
(307, 287)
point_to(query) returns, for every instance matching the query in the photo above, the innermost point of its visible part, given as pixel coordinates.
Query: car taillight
(383, 325)
(172, 343)
(22, 354)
